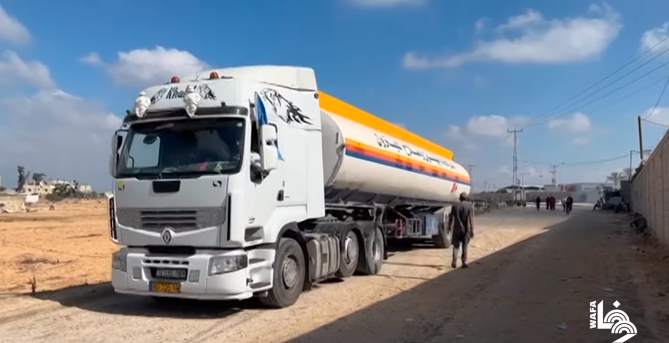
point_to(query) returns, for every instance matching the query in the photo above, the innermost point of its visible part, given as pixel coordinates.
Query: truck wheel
(442, 240)
(349, 255)
(288, 278)
(374, 252)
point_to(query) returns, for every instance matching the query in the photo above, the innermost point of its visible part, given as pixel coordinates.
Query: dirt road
(534, 277)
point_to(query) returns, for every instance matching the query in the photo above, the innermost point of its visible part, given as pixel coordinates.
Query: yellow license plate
(166, 287)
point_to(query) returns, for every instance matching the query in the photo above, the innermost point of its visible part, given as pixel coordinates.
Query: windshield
(186, 148)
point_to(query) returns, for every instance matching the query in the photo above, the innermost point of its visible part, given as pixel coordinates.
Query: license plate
(166, 287)
(179, 274)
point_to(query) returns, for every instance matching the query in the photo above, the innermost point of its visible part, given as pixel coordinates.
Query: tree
(22, 178)
(62, 191)
(614, 178)
(38, 177)
(628, 172)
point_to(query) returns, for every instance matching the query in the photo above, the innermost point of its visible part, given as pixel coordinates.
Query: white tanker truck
(252, 182)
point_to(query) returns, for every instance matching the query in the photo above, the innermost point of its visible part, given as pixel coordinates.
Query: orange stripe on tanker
(350, 112)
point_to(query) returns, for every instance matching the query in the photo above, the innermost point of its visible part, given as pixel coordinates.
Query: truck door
(265, 187)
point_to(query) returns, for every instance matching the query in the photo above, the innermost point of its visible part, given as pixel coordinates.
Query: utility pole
(515, 161)
(638, 120)
(470, 170)
(554, 175)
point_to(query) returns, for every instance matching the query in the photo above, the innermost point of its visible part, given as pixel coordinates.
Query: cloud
(656, 36)
(457, 135)
(145, 67)
(660, 115)
(54, 132)
(386, 3)
(11, 30)
(491, 126)
(537, 40)
(93, 59)
(13, 68)
(578, 122)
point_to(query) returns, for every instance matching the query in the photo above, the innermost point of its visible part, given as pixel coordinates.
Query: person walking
(569, 204)
(461, 223)
(538, 201)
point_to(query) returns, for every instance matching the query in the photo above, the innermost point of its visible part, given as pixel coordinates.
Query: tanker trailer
(250, 182)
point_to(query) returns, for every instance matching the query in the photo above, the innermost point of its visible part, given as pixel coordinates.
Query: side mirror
(270, 151)
(117, 144)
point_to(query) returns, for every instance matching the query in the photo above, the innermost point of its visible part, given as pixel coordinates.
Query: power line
(654, 123)
(546, 115)
(607, 94)
(628, 95)
(578, 163)
(658, 100)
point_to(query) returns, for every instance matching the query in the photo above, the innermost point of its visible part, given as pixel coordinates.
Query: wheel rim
(290, 272)
(351, 248)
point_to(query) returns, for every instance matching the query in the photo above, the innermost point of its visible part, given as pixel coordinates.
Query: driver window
(144, 152)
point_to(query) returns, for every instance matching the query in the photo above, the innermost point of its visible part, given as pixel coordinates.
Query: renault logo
(167, 235)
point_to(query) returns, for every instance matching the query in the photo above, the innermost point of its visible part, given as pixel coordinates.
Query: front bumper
(137, 279)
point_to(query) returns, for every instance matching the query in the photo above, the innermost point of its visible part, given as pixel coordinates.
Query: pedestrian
(538, 201)
(548, 203)
(569, 203)
(553, 201)
(461, 223)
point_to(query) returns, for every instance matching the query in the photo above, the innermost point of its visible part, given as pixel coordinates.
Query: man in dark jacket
(461, 223)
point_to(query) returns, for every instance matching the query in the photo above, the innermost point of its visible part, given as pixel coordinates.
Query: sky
(460, 73)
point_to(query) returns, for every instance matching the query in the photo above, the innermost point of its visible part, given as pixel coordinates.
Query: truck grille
(183, 220)
(179, 219)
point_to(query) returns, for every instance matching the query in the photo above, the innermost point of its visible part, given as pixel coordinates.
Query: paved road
(533, 278)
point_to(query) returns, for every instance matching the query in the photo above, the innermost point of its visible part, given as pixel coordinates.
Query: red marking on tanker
(377, 155)
(354, 114)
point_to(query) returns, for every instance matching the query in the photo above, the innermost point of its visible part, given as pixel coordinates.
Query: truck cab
(211, 176)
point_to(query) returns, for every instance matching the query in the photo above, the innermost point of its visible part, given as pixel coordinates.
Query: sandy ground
(54, 249)
(532, 280)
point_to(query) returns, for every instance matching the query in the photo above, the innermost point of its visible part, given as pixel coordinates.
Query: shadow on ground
(101, 298)
(422, 313)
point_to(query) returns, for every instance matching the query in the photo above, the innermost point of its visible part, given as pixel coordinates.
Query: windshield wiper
(189, 174)
(142, 176)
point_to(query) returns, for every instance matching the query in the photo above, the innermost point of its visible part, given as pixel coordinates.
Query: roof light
(191, 100)
(213, 75)
(142, 104)
(175, 79)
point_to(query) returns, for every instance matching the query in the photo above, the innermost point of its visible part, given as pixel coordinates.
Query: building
(47, 187)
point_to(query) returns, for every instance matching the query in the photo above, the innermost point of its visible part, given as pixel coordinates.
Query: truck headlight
(120, 260)
(227, 264)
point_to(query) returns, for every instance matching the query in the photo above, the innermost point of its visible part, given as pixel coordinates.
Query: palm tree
(614, 178)
(628, 172)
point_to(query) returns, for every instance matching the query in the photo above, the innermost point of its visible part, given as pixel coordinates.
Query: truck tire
(442, 240)
(288, 278)
(349, 255)
(372, 260)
